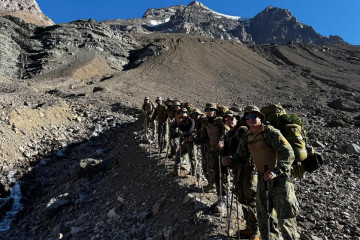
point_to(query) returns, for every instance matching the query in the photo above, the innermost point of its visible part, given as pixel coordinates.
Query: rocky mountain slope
(27, 10)
(71, 128)
(273, 25)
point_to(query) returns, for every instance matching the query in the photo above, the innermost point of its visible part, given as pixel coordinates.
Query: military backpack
(293, 129)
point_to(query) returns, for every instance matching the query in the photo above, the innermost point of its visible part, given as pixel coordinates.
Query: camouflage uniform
(213, 133)
(160, 115)
(169, 120)
(198, 116)
(188, 148)
(148, 109)
(246, 176)
(268, 147)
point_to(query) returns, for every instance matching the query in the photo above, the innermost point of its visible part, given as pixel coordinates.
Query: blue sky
(327, 17)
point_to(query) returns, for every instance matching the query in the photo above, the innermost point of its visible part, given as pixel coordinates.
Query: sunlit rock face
(27, 10)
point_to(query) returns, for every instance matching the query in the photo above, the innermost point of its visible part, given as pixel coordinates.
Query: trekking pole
(266, 167)
(198, 174)
(237, 211)
(160, 137)
(231, 203)
(220, 185)
(179, 170)
(145, 126)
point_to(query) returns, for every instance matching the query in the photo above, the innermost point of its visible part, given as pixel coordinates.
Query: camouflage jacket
(232, 139)
(273, 138)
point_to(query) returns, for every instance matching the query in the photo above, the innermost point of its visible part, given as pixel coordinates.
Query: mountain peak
(27, 10)
(198, 5)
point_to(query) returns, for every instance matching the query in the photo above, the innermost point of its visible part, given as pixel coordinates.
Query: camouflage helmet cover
(210, 106)
(159, 99)
(169, 100)
(177, 103)
(231, 114)
(250, 109)
(146, 98)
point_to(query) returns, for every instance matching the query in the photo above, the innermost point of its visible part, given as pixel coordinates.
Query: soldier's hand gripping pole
(266, 167)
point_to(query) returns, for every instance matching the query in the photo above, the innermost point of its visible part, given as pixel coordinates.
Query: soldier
(273, 156)
(148, 110)
(160, 115)
(212, 136)
(169, 120)
(173, 128)
(188, 149)
(198, 117)
(245, 177)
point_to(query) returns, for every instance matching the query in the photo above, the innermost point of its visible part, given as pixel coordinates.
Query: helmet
(211, 107)
(250, 109)
(231, 114)
(146, 98)
(169, 100)
(184, 110)
(177, 103)
(159, 99)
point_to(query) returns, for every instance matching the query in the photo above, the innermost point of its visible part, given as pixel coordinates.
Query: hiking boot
(220, 206)
(210, 189)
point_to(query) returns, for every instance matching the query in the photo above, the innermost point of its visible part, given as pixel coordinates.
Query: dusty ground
(132, 196)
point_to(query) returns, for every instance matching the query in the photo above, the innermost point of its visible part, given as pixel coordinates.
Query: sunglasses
(248, 117)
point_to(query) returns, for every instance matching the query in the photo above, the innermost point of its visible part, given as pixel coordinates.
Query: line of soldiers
(259, 157)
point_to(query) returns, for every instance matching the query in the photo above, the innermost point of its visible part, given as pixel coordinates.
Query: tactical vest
(260, 151)
(170, 112)
(160, 111)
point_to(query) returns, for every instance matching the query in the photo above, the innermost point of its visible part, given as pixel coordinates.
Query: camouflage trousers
(203, 161)
(162, 135)
(212, 169)
(246, 194)
(187, 152)
(283, 207)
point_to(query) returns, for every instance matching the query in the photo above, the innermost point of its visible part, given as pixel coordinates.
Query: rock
(155, 209)
(350, 149)
(120, 199)
(168, 233)
(188, 198)
(98, 89)
(318, 144)
(307, 225)
(336, 123)
(76, 230)
(111, 213)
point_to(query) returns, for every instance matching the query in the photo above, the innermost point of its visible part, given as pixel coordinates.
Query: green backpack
(293, 129)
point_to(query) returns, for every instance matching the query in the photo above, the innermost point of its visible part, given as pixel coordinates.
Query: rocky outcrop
(27, 10)
(29, 51)
(275, 25)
